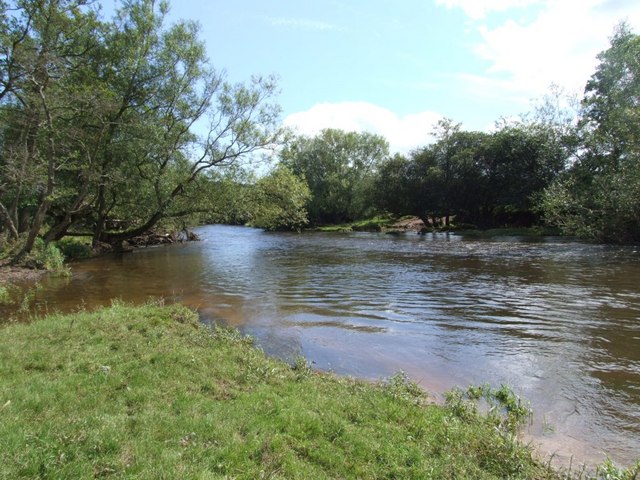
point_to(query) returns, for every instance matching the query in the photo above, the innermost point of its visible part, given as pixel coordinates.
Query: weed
(608, 471)
(503, 407)
(301, 367)
(399, 386)
(46, 256)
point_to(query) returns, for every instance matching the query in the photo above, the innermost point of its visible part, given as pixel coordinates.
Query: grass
(374, 224)
(148, 392)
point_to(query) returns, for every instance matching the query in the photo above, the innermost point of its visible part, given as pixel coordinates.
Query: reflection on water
(557, 321)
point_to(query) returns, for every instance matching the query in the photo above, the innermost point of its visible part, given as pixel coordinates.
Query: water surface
(558, 321)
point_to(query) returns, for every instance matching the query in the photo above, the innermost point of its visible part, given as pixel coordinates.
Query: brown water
(557, 321)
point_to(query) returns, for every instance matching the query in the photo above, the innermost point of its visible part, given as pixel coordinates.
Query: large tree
(599, 196)
(44, 48)
(279, 200)
(436, 181)
(338, 167)
(109, 124)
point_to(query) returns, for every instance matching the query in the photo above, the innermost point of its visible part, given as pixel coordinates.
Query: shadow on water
(557, 321)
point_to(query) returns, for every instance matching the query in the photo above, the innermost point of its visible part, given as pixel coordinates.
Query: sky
(395, 67)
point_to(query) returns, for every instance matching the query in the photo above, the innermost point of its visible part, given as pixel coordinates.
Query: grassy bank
(374, 224)
(150, 393)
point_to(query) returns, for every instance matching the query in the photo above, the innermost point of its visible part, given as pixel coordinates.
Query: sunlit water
(557, 321)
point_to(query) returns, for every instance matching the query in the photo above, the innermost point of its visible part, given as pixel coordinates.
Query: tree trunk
(45, 202)
(8, 223)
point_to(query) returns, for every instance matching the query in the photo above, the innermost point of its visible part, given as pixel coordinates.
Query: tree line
(110, 128)
(576, 167)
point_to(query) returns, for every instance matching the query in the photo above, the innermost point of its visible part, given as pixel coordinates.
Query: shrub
(45, 256)
(73, 249)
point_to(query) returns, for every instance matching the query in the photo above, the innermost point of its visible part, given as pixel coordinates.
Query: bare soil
(413, 224)
(13, 274)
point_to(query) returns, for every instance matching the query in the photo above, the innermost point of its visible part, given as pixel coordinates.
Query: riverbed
(558, 321)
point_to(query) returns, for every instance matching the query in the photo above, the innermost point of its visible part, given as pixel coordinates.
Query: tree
(480, 178)
(397, 189)
(279, 201)
(518, 162)
(599, 196)
(337, 166)
(43, 48)
(437, 181)
(612, 99)
(99, 119)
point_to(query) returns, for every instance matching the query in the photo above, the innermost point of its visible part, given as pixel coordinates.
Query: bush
(45, 256)
(73, 249)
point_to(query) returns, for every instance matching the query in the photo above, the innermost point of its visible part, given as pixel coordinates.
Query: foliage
(608, 471)
(223, 196)
(503, 408)
(74, 249)
(373, 224)
(400, 386)
(279, 201)
(338, 167)
(45, 256)
(148, 393)
(478, 178)
(599, 196)
(98, 119)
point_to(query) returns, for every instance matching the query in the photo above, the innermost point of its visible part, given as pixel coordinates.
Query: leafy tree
(518, 162)
(279, 201)
(483, 179)
(437, 181)
(451, 172)
(397, 188)
(43, 51)
(167, 86)
(599, 196)
(98, 117)
(337, 167)
(612, 99)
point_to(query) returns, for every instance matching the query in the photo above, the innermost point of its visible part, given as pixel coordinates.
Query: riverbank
(410, 224)
(16, 274)
(149, 392)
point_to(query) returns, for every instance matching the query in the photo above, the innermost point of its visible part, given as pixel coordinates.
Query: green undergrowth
(149, 392)
(43, 256)
(374, 224)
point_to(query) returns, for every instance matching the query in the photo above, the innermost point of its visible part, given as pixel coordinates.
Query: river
(557, 321)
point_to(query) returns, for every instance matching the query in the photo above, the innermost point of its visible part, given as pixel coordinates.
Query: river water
(557, 321)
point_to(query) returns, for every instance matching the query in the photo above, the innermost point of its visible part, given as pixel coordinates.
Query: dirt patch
(13, 274)
(411, 224)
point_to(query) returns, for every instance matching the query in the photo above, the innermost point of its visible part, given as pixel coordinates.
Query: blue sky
(396, 67)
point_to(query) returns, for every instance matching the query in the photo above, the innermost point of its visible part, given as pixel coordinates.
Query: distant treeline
(572, 164)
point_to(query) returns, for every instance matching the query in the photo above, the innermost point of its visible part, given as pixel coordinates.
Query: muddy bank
(412, 224)
(16, 274)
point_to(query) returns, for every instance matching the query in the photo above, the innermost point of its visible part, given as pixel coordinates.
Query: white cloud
(402, 133)
(558, 46)
(477, 9)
